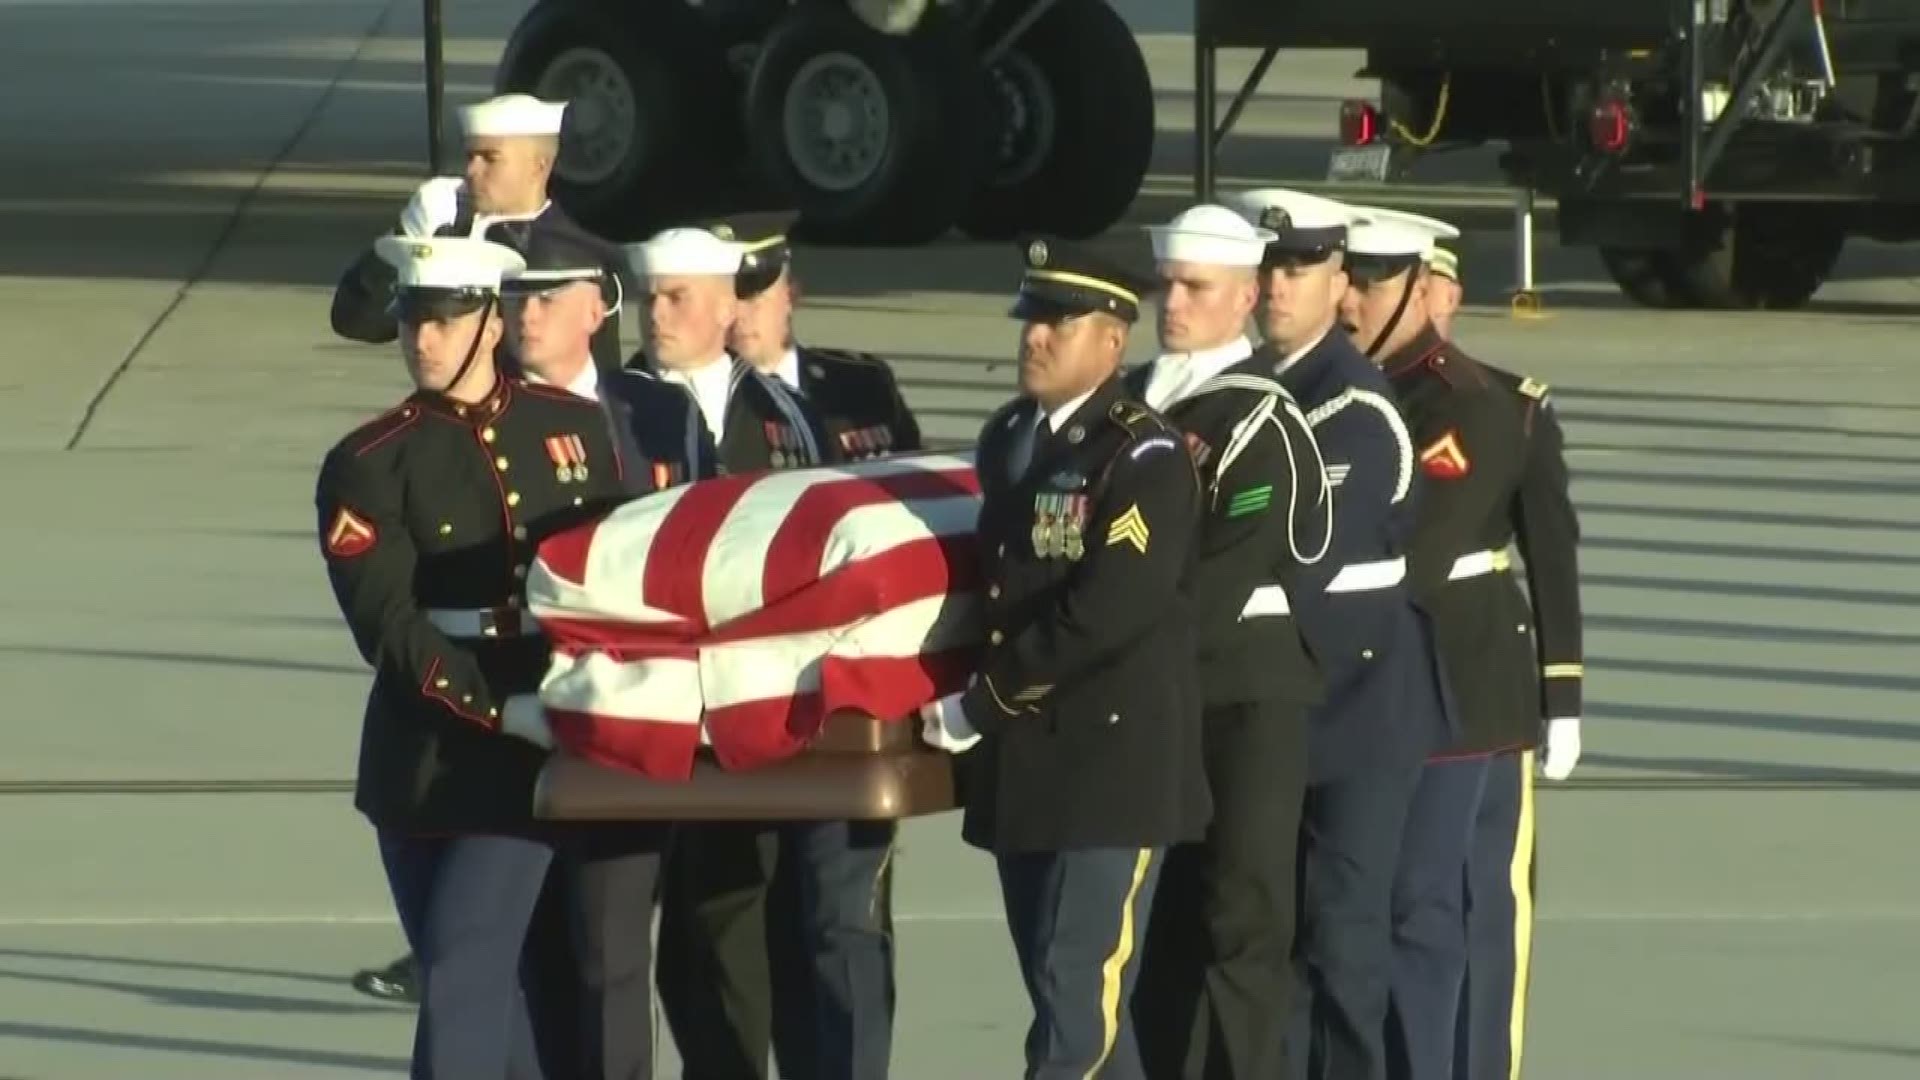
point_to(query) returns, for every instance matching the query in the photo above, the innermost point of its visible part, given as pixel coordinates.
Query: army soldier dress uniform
(819, 998)
(1080, 736)
(428, 517)
(1217, 972)
(442, 207)
(1385, 707)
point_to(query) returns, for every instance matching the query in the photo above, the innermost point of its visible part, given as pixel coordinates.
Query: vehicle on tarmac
(1718, 153)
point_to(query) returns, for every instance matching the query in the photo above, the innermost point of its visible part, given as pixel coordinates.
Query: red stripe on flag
(873, 586)
(677, 559)
(793, 556)
(565, 553)
(660, 749)
(622, 640)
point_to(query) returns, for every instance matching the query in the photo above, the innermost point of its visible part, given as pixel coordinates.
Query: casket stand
(858, 768)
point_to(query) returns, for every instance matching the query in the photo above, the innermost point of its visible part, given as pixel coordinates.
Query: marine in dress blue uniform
(1079, 739)
(1540, 519)
(1216, 975)
(428, 517)
(829, 911)
(511, 126)
(1385, 707)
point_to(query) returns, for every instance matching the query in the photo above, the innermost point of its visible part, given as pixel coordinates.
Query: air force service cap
(764, 251)
(1307, 228)
(512, 114)
(1384, 243)
(1212, 235)
(1063, 281)
(684, 251)
(445, 276)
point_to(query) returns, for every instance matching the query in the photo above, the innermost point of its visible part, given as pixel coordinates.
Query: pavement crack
(375, 30)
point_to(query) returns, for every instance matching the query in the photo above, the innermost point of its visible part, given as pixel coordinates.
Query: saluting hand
(1563, 748)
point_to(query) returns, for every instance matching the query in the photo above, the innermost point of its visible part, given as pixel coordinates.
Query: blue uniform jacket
(768, 426)
(1386, 701)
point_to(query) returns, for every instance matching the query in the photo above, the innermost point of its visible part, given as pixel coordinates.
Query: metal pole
(1203, 104)
(1523, 240)
(436, 81)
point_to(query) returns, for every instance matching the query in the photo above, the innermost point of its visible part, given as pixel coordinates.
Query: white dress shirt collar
(1176, 375)
(710, 384)
(788, 369)
(586, 384)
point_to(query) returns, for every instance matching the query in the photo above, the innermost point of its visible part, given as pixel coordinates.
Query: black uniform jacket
(767, 425)
(1265, 515)
(360, 299)
(1086, 696)
(429, 516)
(859, 402)
(1386, 698)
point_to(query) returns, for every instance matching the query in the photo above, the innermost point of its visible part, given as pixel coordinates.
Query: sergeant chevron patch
(1251, 501)
(1129, 528)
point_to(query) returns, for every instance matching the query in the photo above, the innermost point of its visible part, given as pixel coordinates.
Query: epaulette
(381, 429)
(1137, 420)
(555, 393)
(1455, 367)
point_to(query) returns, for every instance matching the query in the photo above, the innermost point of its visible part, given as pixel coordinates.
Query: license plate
(1367, 164)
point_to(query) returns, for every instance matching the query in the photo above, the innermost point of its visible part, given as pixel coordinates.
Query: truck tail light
(1610, 126)
(1359, 123)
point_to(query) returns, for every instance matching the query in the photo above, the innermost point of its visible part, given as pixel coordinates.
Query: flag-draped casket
(740, 612)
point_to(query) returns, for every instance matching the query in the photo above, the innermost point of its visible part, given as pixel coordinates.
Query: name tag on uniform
(786, 449)
(866, 442)
(1059, 525)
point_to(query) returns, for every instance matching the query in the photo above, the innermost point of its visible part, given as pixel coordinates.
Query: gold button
(500, 463)
(993, 592)
(519, 571)
(577, 500)
(513, 498)
(996, 637)
(1366, 654)
(466, 699)
(1001, 553)
(439, 684)
(1522, 628)
(493, 714)
(519, 532)
(446, 528)
(488, 435)
(490, 631)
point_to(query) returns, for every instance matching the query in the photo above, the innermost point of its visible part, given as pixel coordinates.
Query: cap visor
(418, 306)
(1029, 307)
(1368, 269)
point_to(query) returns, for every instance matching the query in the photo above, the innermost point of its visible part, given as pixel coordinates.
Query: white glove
(1563, 748)
(523, 717)
(944, 726)
(435, 203)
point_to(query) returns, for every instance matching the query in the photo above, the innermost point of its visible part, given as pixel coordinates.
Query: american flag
(740, 612)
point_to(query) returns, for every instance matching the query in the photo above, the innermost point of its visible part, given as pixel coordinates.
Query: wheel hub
(1029, 118)
(837, 124)
(599, 134)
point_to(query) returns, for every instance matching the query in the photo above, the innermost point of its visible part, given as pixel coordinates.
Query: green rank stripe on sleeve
(1250, 501)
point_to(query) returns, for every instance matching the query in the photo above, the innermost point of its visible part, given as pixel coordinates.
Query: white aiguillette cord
(1275, 398)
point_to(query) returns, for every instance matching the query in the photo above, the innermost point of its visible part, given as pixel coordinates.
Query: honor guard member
(856, 393)
(1384, 708)
(861, 407)
(512, 142)
(1444, 289)
(1216, 975)
(1079, 738)
(1456, 561)
(428, 518)
(699, 411)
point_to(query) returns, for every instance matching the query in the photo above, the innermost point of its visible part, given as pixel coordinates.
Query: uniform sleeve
(370, 563)
(1139, 539)
(360, 302)
(1369, 458)
(1468, 452)
(906, 426)
(1548, 530)
(1263, 503)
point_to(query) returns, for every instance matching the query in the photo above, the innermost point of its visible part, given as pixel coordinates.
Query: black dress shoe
(398, 981)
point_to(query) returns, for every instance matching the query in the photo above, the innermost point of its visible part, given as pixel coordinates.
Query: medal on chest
(1059, 525)
(786, 449)
(569, 456)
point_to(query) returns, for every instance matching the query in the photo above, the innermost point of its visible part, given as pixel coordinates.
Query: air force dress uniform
(1086, 713)
(442, 206)
(1217, 973)
(1385, 706)
(829, 936)
(428, 518)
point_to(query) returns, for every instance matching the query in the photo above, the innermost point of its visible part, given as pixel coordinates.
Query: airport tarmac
(1727, 887)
